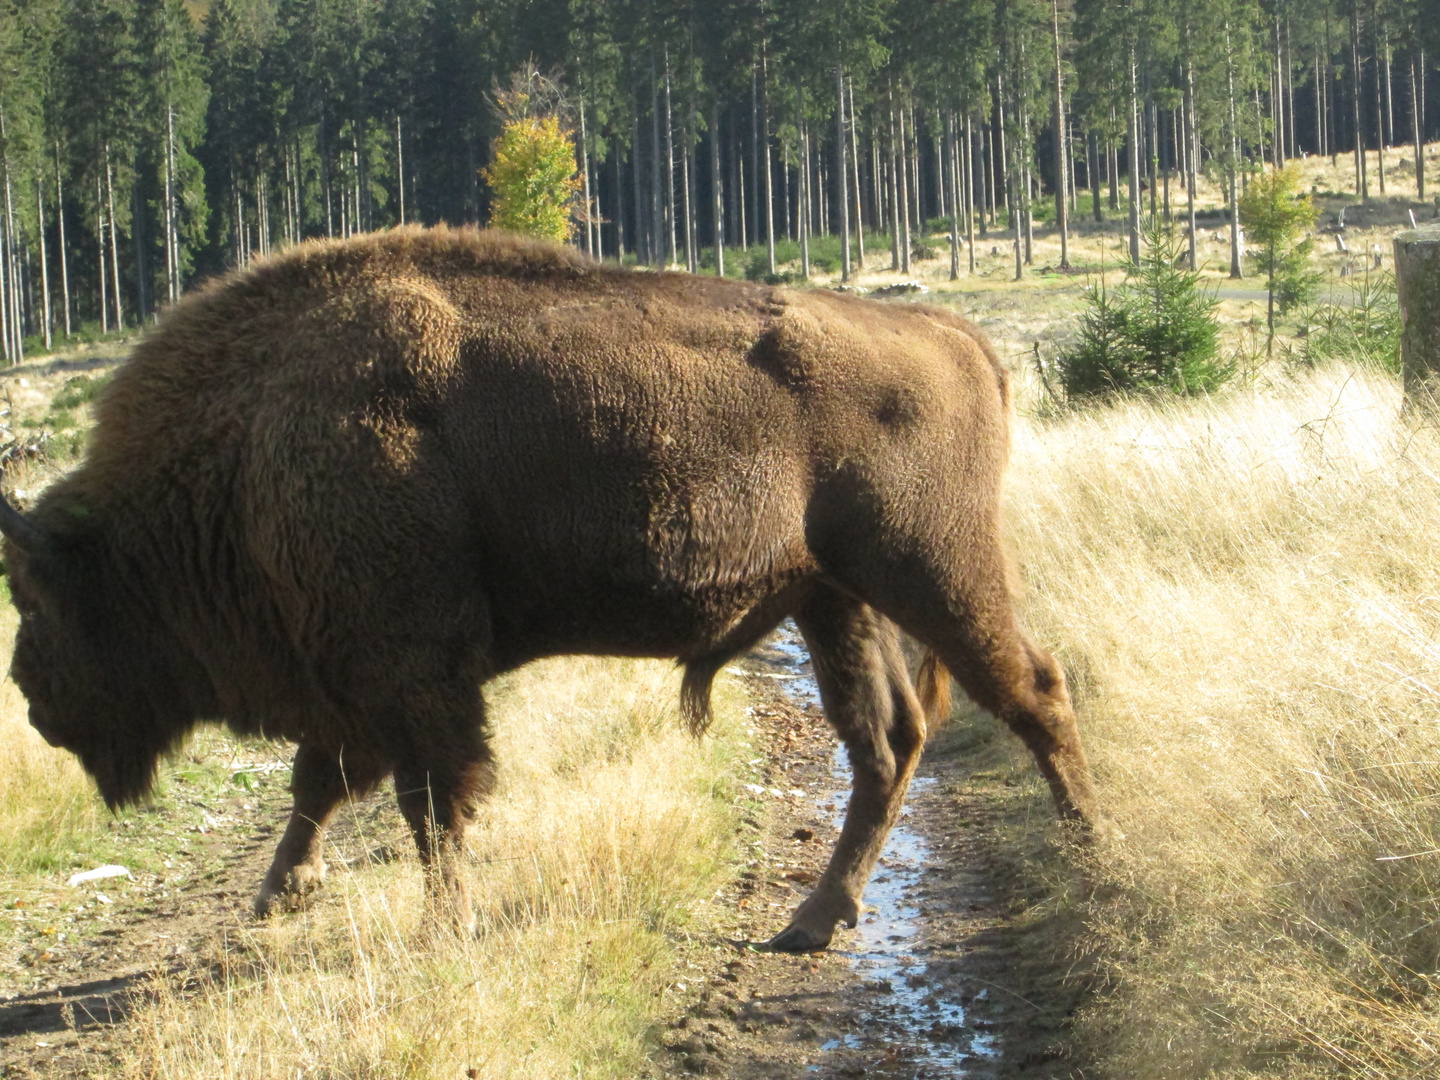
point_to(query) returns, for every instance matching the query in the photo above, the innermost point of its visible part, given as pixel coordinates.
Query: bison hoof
(797, 939)
(290, 893)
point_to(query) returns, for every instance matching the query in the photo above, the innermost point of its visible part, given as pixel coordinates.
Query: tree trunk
(1167, 165)
(620, 199)
(171, 262)
(1026, 189)
(877, 183)
(994, 164)
(1417, 278)
(769, 167)
(671, 236)
(114, 246)
(803, 216)
(1002, 161)
(400, 167)
(1236, 271)
(1379, 112)
(755, 185)
(138, 244)
(982, 187)
(742, 217)
(1278, 97)
(7, 322)
(100, 242)
(642, 246)
(1389, 95)
(1132, 118)
(1092, 170)
(894, 188)
(1291, 130)
(325, 177)
(950, 176)
(1112, 165)
(687, 163)
(1361, 187)
(1416, 130)
(813, 191)
(657, 204)
(1062, 219)
(970, 191)
(591, 164)
(45, 314)
(1012, 183)
(915, 178)
(841, 173)
(855, 168)
(717, 191)
(786, 225)
(361, 220)
(904, 170)
(1332, 127)
(60, 228)
(1152, 155)
(297, 222)
(1192, 154)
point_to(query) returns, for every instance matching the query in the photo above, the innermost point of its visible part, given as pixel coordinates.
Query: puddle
(908, 1008)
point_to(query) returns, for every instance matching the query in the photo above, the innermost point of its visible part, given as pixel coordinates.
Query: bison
(330, 496)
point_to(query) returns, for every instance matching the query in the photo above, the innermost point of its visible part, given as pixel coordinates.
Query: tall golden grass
(611, 826)
(1246, 593)
(47, 803)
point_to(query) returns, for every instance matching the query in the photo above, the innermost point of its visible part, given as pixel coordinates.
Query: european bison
(331, 496)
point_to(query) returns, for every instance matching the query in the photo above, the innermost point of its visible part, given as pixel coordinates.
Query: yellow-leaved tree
(534, 178)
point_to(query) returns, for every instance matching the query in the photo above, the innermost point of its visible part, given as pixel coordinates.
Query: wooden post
(1417, 277)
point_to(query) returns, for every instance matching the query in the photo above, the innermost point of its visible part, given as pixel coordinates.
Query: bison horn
(26, 534)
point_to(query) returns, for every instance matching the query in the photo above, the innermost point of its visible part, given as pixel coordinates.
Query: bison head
(95, 684)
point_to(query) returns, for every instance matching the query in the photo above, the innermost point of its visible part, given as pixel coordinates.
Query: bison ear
(24, 533)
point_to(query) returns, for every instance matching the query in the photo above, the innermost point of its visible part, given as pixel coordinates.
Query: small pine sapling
(1156, 331)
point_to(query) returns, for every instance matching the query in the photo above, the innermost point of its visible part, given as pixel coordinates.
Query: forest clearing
(1239, 590)
(1177, 224)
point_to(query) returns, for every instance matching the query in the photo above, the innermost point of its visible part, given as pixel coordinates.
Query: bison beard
(329, 497)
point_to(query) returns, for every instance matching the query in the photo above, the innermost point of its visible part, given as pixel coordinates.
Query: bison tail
(695, 692)
(932, 682)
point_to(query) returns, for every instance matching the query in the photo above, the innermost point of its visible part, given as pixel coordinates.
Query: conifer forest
(148, 144)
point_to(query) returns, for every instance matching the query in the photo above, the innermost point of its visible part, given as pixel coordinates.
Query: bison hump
(790, 348)
(402, 333)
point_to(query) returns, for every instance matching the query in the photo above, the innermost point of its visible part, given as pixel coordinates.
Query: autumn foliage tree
(534, 179)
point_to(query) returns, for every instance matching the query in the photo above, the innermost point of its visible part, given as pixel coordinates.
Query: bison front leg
(320, 782)
(868, 698)
(439, 800)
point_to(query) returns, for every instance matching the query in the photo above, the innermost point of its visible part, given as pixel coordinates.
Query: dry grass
(1246, 594)
(36, 832)
(611, 827)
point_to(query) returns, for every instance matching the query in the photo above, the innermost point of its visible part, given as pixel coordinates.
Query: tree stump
(1417, 278)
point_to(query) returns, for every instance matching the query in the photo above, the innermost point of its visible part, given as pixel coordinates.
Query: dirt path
(74, 961)
(929, 983)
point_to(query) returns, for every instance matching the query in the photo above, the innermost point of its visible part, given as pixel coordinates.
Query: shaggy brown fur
(329, 497)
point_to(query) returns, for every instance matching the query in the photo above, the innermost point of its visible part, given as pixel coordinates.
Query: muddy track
(931, 983)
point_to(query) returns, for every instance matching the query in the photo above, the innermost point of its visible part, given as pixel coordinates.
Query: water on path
(908, 1008)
